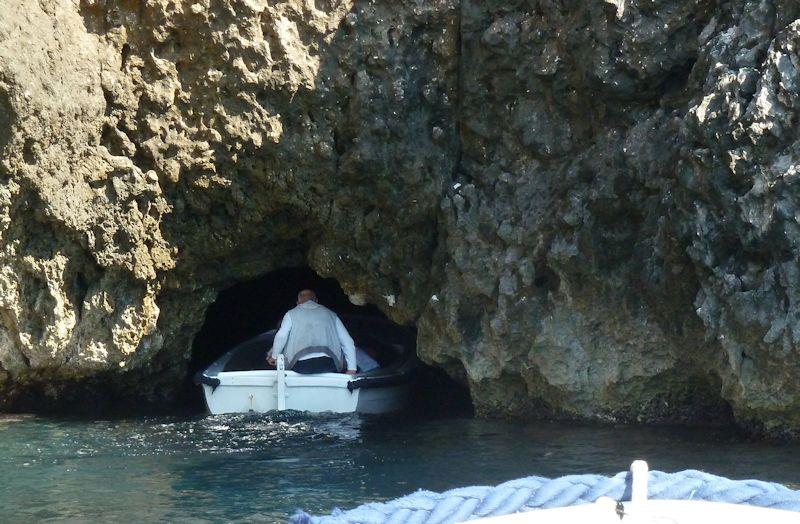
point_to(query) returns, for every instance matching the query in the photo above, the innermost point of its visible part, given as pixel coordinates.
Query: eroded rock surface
(589, 209)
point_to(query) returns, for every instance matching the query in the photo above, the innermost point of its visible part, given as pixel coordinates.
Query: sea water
(261, 468)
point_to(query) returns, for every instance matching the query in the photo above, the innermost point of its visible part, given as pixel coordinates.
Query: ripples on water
(260, 468)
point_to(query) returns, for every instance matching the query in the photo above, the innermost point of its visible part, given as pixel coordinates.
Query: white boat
(607, 511)
(240, 381)
(642, 510)
(686, 497)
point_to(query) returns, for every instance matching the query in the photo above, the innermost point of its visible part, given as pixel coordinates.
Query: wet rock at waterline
(589, 209)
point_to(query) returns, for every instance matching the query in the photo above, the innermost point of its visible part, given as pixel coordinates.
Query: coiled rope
(458, 505)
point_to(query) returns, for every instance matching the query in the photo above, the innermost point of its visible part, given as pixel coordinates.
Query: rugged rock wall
(588, 208)
(156, 152)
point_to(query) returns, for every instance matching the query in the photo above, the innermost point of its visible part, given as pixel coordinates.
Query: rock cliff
(589, 209)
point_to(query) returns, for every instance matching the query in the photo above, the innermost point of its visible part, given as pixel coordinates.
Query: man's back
(313, 339)
(313, 326)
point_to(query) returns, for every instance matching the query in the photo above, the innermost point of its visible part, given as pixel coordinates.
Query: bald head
(306, 295)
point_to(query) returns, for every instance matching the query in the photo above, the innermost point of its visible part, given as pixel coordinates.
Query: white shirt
(347, 345)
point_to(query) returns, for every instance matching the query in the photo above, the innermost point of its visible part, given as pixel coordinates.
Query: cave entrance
(248, 308)
(251, 307)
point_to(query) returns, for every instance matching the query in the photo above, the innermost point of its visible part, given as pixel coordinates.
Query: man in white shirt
(313, 339)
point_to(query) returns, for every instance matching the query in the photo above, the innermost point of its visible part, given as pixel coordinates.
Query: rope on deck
(458, 505)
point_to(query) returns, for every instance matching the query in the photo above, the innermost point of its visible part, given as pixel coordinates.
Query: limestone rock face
(155, 152)
(622, 229)
(589, 209)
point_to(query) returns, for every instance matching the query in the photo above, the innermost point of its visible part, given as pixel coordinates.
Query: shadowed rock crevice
(5, 120)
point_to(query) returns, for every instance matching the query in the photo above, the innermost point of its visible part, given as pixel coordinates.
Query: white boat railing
(280, 391)
(639, 476)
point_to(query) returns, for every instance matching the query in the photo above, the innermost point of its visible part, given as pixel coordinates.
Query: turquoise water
(250, 468)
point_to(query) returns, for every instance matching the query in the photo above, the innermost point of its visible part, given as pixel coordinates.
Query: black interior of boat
(251, 354)
(383, 341)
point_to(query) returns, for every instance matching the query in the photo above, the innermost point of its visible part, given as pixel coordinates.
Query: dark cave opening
(251, 307)
(248, 308)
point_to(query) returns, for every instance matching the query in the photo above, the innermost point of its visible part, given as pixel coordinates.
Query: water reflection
(263, 467)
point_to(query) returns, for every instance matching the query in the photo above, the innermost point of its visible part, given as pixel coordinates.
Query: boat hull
(257, 391)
